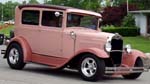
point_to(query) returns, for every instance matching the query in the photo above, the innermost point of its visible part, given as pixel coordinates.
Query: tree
(45, 1)
(106, 3)
(82, 4)
(120, 2)
(24, 2)
(94, 5)
(141, 4)
(33, 2)
(1, 10)
(9, 10)
(114, 15)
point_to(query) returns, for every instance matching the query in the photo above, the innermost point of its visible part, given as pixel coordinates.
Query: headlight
(108, 46)
(128, 48)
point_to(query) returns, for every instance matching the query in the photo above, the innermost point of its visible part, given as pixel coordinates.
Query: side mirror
(57, 14)
(1, 39)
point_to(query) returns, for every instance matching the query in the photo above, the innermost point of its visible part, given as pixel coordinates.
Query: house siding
(141, 22)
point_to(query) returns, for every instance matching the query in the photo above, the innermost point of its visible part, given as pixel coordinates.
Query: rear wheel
(15, 56)
(91, 68)
(138, 63)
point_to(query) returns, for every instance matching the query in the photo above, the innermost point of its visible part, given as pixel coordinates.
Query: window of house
(30, 17)
(50, 19)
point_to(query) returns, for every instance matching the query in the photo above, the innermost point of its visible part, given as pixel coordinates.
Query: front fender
(25, 47)
(129, 59)
(98, 52)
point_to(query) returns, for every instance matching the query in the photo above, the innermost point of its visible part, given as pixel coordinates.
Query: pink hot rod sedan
(65, 37)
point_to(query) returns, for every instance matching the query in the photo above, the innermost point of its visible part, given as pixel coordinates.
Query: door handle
(73, 35)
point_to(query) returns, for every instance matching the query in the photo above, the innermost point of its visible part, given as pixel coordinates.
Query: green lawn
(7, 30)
(139, 43)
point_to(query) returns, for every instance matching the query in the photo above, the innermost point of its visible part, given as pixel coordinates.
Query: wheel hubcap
(13, 56)
(88, 67)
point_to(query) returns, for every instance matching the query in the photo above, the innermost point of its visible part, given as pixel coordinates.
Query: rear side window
(49, 19)
(30, 17)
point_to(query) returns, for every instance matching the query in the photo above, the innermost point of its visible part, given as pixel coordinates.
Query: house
(142, 20)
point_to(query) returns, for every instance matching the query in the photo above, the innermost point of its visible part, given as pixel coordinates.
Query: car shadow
(65, 73)
(70, 74)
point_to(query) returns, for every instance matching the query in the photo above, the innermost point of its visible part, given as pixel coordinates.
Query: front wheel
(91, 68)
(15, 56)
(138, 63)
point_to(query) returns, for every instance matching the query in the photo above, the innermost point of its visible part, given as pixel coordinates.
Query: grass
(139, 43)
(7, 30)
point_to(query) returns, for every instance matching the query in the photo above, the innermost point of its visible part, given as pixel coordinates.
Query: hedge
(124, 31)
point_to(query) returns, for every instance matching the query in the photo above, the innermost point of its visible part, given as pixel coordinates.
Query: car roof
(65, 8)
(44, 6)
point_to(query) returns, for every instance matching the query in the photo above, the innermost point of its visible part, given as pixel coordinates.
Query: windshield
(78, 20)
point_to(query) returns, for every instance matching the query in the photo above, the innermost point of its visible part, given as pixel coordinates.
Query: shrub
(112, 16)
(108, 27)
(128, 21)
(124, 31)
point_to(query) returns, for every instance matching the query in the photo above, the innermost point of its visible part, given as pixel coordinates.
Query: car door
(29, 28)
(69, 39)
(51, 34)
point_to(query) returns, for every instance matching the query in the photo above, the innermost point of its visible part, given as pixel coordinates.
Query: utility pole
(2, 16)
(127, 6)
(89, 4)
(12, 11)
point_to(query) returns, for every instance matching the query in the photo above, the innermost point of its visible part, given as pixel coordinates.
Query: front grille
(116, 54)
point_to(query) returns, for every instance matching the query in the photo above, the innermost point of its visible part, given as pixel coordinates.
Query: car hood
(90, 38)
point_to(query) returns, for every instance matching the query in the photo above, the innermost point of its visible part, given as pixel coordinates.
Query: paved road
(37, 74)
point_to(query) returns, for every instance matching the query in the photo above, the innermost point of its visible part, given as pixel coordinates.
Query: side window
(30, 17)
(50, 19)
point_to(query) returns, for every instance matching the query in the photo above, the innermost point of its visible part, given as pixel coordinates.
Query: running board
(124, 70)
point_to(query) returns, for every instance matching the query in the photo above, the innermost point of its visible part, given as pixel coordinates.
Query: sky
(3, 1)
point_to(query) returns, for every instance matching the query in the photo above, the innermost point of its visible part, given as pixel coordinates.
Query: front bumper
(125, 70)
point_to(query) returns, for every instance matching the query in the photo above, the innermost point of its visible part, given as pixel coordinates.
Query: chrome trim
(89, 67)
(116, 51)
(13, 56)
(125, 70)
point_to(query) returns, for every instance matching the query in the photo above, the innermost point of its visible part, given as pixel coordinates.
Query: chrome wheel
(89, 67)
(13, 56)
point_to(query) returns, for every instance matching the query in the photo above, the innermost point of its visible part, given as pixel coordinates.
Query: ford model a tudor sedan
(60, 37)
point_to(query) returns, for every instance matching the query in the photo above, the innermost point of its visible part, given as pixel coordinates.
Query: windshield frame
(83, 14)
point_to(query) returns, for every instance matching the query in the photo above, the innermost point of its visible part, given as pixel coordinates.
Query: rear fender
(24, 45)
(98, 52)
(130, 59)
